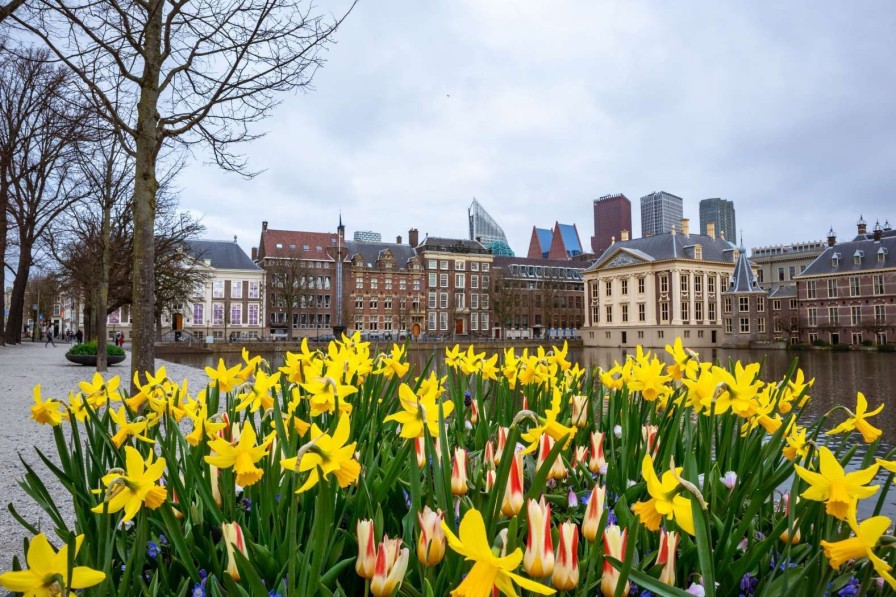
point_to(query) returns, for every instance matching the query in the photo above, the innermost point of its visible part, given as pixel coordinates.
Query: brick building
(848, 294)
(745, 305)
(612, 215)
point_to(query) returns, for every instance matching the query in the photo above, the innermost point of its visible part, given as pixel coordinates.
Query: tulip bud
(667, 556)
(500, 543)
(593, 513)
(649, 433)
(391, 564)
(617, 431)
(597, 463)
(490, 476)
(558, 471)
(459, 472)
(420, 451)
(233, 538)
(566, 571)
(729, 480)
(214, 476)
(502, 442)
(489, 457)
(579, 455)
(614, 546)
(791, 536)
(539, 557)
(366, 563)
(474, 411)
(431, 543)
(525, 403)
(579, 410)
(513, 489)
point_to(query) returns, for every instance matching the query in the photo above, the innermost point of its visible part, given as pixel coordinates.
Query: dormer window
(857, 257)
(698, 252)
(882, 255)
(279, 245)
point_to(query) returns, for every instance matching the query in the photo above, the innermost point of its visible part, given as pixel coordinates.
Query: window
(417, 285)
(474, 266)
(857, 257)
(483, 319)
(727, 304)
(474, 301)
(459, 300)
(664, 312)
(443, 280)
(729, 328)
(698, 283)
(833, 315)
(624, 313)
(595, 314)
(431, 320)
(778, 325)
(854, 286)
(609, 318)
(711, 285)
(431, 303)
(660, 334)
(793, 304)
(387, 303)
(780, 274)
(483, 301)
(253, 314)
(431, 264)
(685, 311)
(810, 289)
(608, 285)
(460, 265)
(855, 315)
(485, 280)
(217, 313)
(218, 289)
(443, 300)
(760, 304)
(743, 304)
(198, 313)
(388, 284)
(624, 287)
(443, 321)
(792, 271)
(433, 281)
(878, 283)
(443, 264)
(744, 325)
(254, 289)
(474, 321)
(236, 313)
(374, 283)
(882, 258)
(359, 283)
(359, 303)
(642, 312)
(760, 325)
(813, 316)
(685, 284)
(664, 284)
(640, 285)
(474, 281)
(485, 267)
(374, 303)
(832, 288)
(776, 305)
(402, 284)
(458, 280)
(880, 314)
(236, 289)
(698, 311)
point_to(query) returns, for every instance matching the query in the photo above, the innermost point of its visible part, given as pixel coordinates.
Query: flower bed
(342, 473)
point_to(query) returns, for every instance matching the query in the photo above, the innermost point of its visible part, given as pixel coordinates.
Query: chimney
(264, 225)
(398, 240)
(878, 233)
(623, 235)
(722, 234)
(413, 237)
(711, 230)
(862, 226)
(685, 227)
(832, 237)
(254, 253)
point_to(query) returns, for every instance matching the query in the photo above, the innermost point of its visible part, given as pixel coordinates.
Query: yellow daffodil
(326, 390)
(889, 465)
(226, 378)
(135, 487)
(684, 361)
(419, 410)
(393, 366)
(665, 501)
(472, 361)
(127, 429)
(47, 411)
(859, 421)
(868, 533)
(489, 570)
(838, 489)
(97, 391)
(453, 356)
(549, 425)
(259, 394)
(649, 379)
(764, 414)
(48, 572)
(327, 454)
(251, 365)
(793, 390)
(703, 383)
(154, 386)
(741, 389)
(77, 406)
(203, 427)
(294, 363)
(242, 456)
(488, 368)
(797, 446)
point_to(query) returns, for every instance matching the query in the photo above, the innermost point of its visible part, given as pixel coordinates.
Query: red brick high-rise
(612, 215)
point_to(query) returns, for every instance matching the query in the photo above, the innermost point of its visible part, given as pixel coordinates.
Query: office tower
(660, 211)
(720, 211)
(612, 215)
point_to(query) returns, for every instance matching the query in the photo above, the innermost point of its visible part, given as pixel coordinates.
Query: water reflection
(837, 378)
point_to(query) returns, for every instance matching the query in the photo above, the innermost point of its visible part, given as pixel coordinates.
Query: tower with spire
(745, 305)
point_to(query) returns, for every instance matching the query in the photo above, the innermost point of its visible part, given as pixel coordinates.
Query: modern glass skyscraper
(659, 212)
(485, 229)
(720, 211)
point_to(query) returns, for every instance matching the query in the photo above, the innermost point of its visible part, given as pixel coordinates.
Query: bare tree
(170, 70)
(292, 286)
(40, 126)
(505, 299)
(9, 8)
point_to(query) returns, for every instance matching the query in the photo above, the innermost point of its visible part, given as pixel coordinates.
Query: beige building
(649, 291)
(779, 265)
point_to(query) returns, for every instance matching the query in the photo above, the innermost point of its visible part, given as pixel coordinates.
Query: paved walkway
(21, 368)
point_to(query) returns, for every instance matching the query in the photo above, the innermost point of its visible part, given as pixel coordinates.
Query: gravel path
(21, 368)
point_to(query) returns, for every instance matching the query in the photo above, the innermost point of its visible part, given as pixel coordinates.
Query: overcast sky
(536, 108)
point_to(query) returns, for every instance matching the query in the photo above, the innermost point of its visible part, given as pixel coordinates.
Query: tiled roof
(670, 246)
(788, 291)
(866, 250)
(370, 252)
(222, 254)
(295, 243)
(743, 279)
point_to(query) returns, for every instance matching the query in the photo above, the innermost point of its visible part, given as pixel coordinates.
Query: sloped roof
(222, 254)
(297, 244)
(452, 245)
(670, 246)
(544, 239)
(570, 238)
(865, 249)
(788, 291)
(743, 279)
(371, 252)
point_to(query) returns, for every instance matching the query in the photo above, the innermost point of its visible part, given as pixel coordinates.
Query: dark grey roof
(788, 291)
(223, 254)
(886, 233)
(743, 279)
(371, 252)
(452, 245)
(866, 250)
(669, 246)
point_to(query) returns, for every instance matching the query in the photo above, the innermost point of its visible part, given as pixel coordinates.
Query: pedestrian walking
(49, 337)
(79, 336)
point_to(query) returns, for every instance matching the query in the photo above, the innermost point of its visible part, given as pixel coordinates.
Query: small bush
(89, 348)
(841, 347)
(820, 342)
(867, 343)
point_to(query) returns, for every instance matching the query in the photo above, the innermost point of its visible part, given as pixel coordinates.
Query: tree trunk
(17, 298)
(145, 188)
(4, 232)
(103, 292)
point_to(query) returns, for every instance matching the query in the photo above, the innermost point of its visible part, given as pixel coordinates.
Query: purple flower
(152, 550)
(748, 585)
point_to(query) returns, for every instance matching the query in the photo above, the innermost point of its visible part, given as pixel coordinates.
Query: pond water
(838, 376)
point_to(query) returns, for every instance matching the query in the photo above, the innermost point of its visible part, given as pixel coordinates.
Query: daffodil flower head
(838, 489)
(48, 570)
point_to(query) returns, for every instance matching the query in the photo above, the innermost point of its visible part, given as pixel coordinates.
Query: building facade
(484, 229)
(847, 295)
(779, 265)
(457, 281)
(612, 215)
(537, 298)
(560, 242)
(650, 290)
(720, 211)
(745, 307)
(660, 211)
